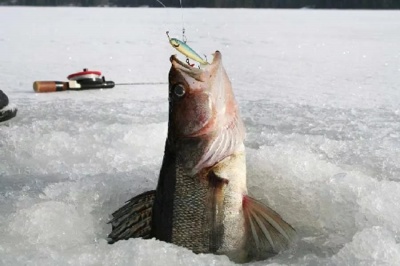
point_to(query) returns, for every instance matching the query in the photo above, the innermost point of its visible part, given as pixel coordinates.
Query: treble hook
(184, 39)
(188, 62)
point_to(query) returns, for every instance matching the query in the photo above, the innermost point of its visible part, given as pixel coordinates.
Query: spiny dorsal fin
(268, 233)
(133, 219)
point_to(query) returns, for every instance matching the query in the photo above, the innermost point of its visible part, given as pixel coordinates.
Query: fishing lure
(183, 48)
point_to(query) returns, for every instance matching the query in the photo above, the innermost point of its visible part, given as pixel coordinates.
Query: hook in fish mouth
(174, 59)
(194, 71)
(216, 59)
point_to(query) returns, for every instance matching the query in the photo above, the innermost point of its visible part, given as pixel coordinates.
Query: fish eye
(179, 90)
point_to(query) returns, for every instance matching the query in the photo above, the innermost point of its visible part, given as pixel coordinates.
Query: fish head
(201, 99)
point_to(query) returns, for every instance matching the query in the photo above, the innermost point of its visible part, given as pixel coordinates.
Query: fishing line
(184, 39)
(183, 47)
(183, 24)
(141, 83)
(161, 3)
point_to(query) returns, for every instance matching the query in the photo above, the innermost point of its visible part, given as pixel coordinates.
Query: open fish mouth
(193, 70)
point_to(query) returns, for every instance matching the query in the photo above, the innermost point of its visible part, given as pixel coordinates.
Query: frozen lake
(319, 93)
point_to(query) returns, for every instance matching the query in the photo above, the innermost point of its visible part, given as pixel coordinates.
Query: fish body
(201, 201)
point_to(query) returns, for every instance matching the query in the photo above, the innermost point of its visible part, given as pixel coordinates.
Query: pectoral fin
(133, 219)
(267, 232)
(223, 145)
(216, 210)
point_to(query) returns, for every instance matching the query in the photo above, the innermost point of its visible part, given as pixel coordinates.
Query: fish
(201, 201)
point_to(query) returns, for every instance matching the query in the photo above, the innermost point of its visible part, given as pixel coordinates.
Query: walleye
(201, 201)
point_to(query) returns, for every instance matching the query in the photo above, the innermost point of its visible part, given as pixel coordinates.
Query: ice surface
(319, 95)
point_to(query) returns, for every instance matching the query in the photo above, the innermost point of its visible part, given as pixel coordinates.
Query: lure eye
(179, 90)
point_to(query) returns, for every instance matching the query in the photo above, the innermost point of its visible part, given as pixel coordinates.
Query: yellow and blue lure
(184, 49)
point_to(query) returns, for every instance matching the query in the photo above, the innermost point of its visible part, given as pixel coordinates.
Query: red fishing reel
(85, 74)
(84, 80)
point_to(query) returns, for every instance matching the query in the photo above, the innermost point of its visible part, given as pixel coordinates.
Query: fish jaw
(208, 109)
(211, 85)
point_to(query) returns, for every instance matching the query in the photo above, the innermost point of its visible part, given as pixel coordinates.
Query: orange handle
(49, 86)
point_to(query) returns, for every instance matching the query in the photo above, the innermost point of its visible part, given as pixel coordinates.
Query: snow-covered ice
(319, 93)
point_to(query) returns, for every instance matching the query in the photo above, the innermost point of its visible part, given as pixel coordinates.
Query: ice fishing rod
(84, 80)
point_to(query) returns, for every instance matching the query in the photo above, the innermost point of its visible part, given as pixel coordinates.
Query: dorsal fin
(133, 219)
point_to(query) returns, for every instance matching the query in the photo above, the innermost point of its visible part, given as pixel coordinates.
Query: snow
(319, 95)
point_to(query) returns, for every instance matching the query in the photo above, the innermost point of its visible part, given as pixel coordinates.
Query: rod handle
(49, 86)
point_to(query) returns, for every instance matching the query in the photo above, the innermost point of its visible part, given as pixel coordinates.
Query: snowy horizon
(318, 90)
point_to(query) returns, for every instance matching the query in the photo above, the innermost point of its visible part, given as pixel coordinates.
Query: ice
(318, 92)
(371, 246)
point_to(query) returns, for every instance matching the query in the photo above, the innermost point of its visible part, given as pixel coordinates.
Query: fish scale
(190, 219)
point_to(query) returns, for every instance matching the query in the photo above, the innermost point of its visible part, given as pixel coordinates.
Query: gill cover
(202, 105)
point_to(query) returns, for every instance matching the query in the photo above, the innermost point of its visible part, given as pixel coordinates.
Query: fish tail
(267, 232)
(133, 219)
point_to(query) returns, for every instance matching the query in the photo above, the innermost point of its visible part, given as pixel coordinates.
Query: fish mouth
(193, 71)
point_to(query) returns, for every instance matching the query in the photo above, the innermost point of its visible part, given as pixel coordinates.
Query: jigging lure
(184, 49)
